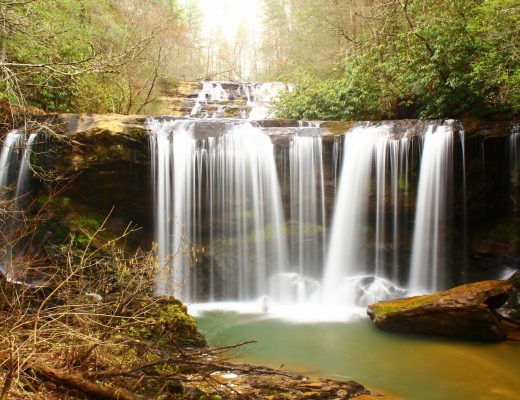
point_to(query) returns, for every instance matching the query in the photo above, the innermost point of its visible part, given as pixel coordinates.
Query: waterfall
(376, 165)
(24, 174)
(245, 100)
(306, 226)
(15, 174)
(307, 201)
(225, 187)
(290, 214)
(381, 147)
(347, 264)
(261, 96)
(211, 92)
(428, 239)
(220, 221)
(9, 157)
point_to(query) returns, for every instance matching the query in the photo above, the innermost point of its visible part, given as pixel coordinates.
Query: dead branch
(74, 381)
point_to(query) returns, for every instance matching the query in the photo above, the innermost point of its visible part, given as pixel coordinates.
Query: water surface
(410, 367)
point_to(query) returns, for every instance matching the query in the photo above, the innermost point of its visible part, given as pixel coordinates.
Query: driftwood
(94, 390)
(73, 381)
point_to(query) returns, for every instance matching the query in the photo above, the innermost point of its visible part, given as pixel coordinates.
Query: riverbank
(118, 343)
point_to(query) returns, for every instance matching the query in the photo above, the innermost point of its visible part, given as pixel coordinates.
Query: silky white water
(428, 240)
(232, 178)
(9, 157)
(227, 233)
(345, 255)
(15, 180)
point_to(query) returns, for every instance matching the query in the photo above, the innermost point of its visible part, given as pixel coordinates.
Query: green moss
(390, 307)
(86, 223)
(338, 127)
(83, 240)
(293, 227)
(166, 321)
(56, 201)
(60, 232)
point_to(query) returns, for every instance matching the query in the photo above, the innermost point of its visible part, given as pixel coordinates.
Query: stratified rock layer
(466, 311)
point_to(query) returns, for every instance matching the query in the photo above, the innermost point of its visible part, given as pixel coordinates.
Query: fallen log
(74, 381)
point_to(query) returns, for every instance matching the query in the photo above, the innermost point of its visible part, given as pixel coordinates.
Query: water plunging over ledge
(300, 221)
(243, 222)
(15, 183)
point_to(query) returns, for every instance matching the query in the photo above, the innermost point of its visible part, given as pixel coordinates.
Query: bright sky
(228, 14)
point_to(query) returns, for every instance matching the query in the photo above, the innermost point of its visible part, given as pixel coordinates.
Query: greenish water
(407, 366)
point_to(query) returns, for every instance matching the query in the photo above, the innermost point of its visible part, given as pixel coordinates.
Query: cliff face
(109, 157)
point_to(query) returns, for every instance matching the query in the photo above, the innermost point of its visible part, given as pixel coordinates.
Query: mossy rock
(467, 311)
(166, 321)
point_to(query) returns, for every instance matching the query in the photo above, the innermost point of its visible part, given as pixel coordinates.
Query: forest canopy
(347, 59)
(93, 56)
(373, 59)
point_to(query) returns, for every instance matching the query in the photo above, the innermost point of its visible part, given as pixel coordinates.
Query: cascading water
(350, 277)
(211, 92)
(306, 226)
(24, 174)
(345, 257)
(225, 187)
(307, 201)
(9, 158)
(245, 100)
(219, 191)
(428, 239)
(15, 180)
(261, 96)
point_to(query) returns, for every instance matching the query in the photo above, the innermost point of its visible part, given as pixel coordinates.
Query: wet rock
(467, 311)
(511, 309)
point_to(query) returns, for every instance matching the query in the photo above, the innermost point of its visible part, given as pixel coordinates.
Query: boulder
(466, 311)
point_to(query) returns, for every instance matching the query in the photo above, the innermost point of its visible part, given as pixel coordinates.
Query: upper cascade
(244, 100)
